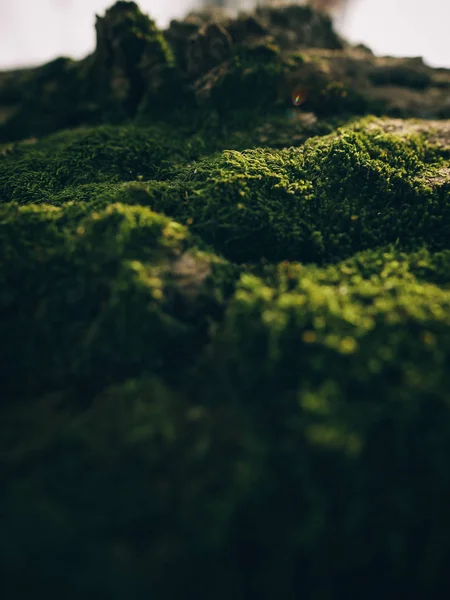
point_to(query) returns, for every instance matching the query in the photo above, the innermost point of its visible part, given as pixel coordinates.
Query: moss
(132, 60)
(150, 424)
(132, 64)
(354, 189)
(357, 188)
(324, 389)
(224, 342)
(296, 26)
(88, 280)
(335, 97)
(140, 71)
(47, 99)
(78, 164)
(403, 75)
(344, 371)
(376, 320)
(254, 71)
(109, 154)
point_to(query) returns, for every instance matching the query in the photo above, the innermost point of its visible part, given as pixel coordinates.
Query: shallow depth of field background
(34, 31)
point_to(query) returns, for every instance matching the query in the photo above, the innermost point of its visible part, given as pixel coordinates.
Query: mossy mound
(357, 188)
(225, 326)
(378, 319)
(87, 280)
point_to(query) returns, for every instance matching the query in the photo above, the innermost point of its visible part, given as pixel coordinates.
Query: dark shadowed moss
(87, 281)
(249, 79)
(36, 171)
(325, 391)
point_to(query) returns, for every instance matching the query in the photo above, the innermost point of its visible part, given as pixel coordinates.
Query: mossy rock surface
(225, 323)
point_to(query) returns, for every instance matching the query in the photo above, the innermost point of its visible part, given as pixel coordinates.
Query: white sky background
(34, 31)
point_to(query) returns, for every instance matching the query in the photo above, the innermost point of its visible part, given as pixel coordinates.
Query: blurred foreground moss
(316, 422)
(77, 283)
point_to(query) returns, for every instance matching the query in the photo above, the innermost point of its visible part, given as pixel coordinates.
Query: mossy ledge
(225, 323)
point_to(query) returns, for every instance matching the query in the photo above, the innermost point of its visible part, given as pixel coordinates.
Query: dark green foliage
(151, 478)
(300, 416)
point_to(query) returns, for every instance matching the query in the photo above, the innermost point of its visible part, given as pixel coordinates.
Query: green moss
(254, 73)
(371, 326)
(149, 425)
(79, 164)
(324, 390)
(132, 61)
(223, 342)
(47, 99)
(336, 195)
(90, 280)
(335, 97)
(354, 189)
(37, 171)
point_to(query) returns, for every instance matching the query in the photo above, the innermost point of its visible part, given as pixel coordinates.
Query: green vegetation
(336, 195)
(72, 160)
(224, 344)
(354, 189)
(201, 399)
(88, 280)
